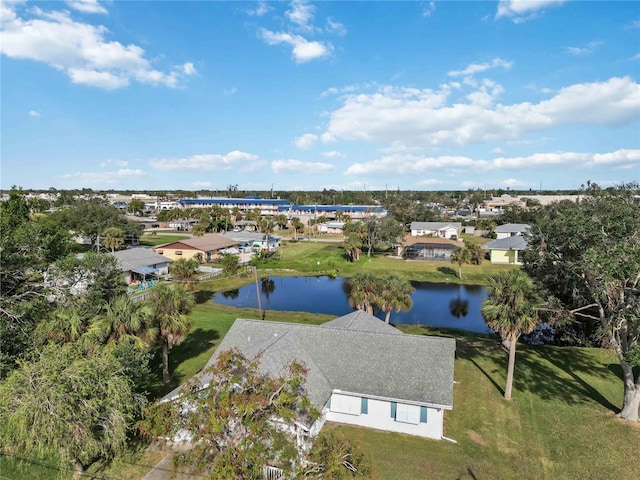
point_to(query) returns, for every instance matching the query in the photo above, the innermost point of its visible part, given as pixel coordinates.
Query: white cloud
(333, 154)
(335, 27)
(119, 163)
(497, 151)
(481, 67)
(34, 113)
(81, 51)
(189, 69)
(587, 49)
(87, 6)
(231, 91)
(522, 10)
(411, 165)
(297, 166)
(99, 179)
(301, 13)
(207, 162)
(414, 117)
(429, 9)
(429, 182)
(262, 9)
(306, 141)
(303, 49)
(201, 184)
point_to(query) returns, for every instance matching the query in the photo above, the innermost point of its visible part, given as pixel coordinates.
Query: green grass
(154, 240)
(321, 258)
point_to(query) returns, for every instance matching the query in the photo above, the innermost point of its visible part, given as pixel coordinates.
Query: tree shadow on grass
(448, 271)
(551, 373)
(197, 342)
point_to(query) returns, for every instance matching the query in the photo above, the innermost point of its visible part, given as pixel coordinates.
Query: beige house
(209, 247)
(507, 250)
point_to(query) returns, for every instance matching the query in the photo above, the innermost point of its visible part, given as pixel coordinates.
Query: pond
(434, 304)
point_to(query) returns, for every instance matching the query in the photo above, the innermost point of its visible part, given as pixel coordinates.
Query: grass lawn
(321, 258)
(148, 240)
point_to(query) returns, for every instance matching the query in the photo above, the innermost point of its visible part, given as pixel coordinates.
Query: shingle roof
(350, 355)
(138, 257)
(517, 242)
(434, 225)
(206, 243)
(512, 227)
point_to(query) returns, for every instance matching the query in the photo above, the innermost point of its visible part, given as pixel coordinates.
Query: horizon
(311, 96)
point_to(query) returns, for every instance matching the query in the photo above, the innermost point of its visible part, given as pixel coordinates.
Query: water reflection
(435, 304)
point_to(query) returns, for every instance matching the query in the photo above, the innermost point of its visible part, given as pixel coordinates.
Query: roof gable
(138, 257)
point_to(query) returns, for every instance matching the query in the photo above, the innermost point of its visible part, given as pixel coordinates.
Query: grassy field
(322, 258)
(149, 240)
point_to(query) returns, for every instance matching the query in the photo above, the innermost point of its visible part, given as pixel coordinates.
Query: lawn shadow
(470, 350)
(197, 342)
(448, 271)
(544, 380)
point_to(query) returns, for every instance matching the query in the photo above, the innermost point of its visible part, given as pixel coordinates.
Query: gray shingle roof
(350, 355)
(434, 225)
(512, 228)
(138, 257)
(517, 242)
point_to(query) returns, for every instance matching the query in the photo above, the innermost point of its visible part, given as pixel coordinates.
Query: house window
(346, 404)
(364, 406)
(178, 252)
(160, 251)
(404, 413)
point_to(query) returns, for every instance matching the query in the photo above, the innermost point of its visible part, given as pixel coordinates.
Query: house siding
(506, 257)
(378, 416)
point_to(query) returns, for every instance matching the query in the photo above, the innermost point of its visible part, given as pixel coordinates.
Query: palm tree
(362, 291)
(123, 321)
(114, 238)
(65, 324)
(171, 304)
(395, 295)
(511, 310)
(460, 255)
(184, 270)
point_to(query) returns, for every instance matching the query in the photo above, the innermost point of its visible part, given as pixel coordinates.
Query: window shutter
(329, 404)
(423, 414)
(394, 406)
(364, 405)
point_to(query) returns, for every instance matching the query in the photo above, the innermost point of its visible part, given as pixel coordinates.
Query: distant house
(209, 247)
(511, 230)
(507, 250)
(436, 229)
(182, 224)
(141, 263)
(251, 241)
(431, 249)
(361, 371)
(336, 228)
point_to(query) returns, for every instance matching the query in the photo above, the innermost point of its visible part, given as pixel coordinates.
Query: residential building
(207, 247)
(507, 250)
(361, 371)
(511, 230)
(433, 249)
(140, 263)
(450, 230)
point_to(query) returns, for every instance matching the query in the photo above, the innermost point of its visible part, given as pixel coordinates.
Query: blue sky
(305, 96)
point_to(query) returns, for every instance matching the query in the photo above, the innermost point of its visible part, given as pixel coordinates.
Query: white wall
(379, 417)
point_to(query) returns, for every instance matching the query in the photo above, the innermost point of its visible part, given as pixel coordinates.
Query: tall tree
(135, 205)
(395, 294)
(113, 238)
(354, 234)
(122, 321)
(171, 304)
(460, 256)
(587, 255)
(231, 421)
(70, 405)
(362, 291)
(511, 310)
(184, 271)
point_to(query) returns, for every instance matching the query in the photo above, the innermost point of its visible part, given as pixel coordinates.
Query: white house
(361, 371)
(511, 230)
(450, 230)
